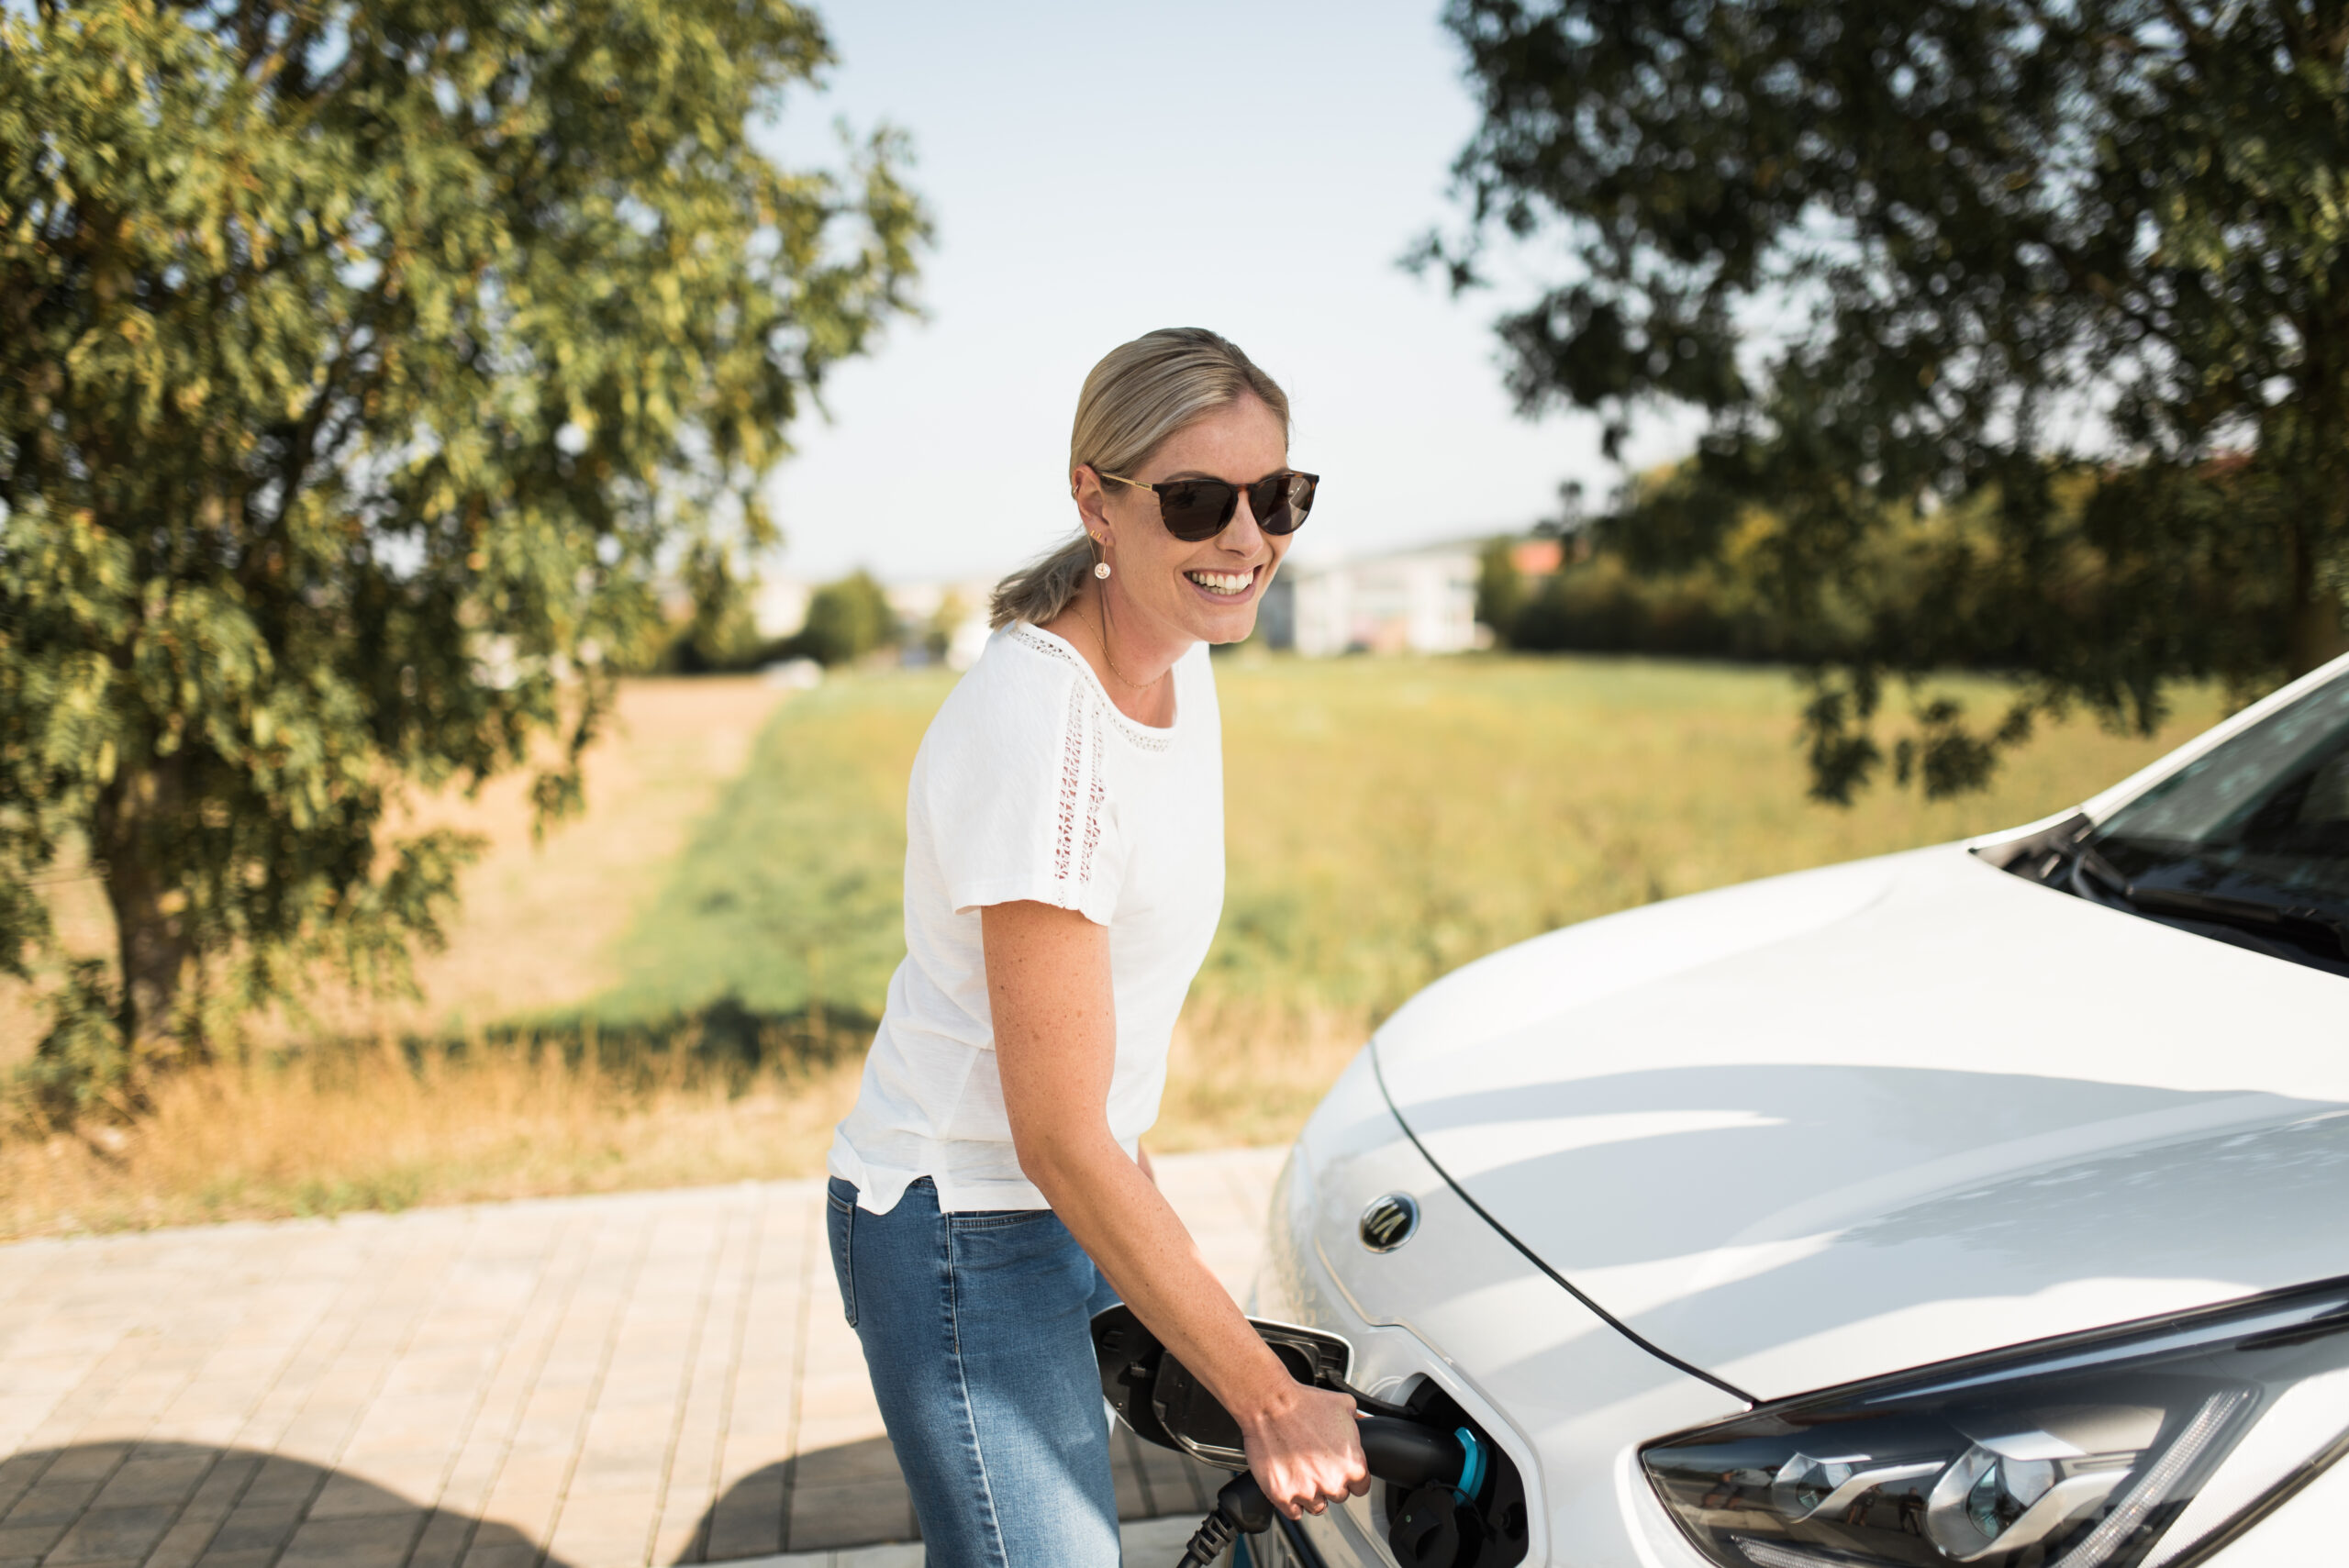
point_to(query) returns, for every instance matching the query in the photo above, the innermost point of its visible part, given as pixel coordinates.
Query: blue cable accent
(1471, 1466)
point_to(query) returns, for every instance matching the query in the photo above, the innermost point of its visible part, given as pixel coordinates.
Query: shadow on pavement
(853, 1494)
(99, 1505)
(173, 1505)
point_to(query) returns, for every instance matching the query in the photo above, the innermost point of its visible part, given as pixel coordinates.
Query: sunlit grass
(1389, 820)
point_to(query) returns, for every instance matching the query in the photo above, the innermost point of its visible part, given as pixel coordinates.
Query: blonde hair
(1141, 394)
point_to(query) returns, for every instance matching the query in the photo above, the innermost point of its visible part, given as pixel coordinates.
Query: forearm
(1055, 1023)
(1112, 1206)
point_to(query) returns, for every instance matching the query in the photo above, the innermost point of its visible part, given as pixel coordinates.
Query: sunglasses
(1197, 509)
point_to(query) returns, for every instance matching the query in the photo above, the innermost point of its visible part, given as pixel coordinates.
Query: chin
(1232, 628)
(1221, 625)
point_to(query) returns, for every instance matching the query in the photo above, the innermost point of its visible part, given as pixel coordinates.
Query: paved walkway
(590, 1383)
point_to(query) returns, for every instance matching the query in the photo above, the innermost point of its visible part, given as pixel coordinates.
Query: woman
(1064, 876)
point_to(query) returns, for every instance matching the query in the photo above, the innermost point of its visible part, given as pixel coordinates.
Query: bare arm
(1055, 1034)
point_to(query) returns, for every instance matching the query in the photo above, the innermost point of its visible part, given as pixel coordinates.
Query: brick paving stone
(574, 1382)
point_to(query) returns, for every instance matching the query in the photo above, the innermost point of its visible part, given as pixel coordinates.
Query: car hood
(1858, 1120)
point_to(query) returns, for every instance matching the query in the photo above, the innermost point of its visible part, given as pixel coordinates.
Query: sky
(1097, 171)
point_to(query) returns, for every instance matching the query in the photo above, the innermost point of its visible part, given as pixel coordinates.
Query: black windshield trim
(2065, 855)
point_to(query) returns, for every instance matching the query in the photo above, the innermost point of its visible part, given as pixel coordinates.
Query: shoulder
(1019, 665)
(1021, 657)
(1018, 693)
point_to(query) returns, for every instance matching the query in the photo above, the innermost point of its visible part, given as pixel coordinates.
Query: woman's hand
(1305, 1449)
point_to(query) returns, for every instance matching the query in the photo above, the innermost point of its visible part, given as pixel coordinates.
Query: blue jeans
(975, 1327)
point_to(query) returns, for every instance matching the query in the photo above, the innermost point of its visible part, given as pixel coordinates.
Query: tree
(2060, 286)
(846, 620)
(1500, 587)
(358, 358)
(721, 633)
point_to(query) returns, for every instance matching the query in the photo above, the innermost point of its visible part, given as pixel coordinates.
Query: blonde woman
(1064, 876)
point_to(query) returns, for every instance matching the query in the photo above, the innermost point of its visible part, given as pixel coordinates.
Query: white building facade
(1421, 601)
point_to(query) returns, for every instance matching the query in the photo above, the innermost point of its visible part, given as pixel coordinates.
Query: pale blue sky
(1097, 171)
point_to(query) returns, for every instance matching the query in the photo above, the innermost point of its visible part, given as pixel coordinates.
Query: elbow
(1055, 1159)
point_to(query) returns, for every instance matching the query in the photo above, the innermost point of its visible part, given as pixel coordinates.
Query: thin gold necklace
(1102, 627)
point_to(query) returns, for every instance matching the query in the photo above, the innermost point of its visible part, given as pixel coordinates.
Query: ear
(1092, 500)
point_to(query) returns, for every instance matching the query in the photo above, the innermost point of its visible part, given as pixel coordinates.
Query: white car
(1986, 1204)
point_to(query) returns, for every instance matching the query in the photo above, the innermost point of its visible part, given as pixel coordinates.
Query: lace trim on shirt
(1093, 802)
(1072, 764)
(1141, 735)
(1084, 788)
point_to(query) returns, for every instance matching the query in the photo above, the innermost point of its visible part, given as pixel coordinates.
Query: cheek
(1155, 557)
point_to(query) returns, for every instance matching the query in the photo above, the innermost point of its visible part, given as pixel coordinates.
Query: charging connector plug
(1241, 1509)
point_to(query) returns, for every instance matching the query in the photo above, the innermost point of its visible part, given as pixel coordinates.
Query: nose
(1242, 536)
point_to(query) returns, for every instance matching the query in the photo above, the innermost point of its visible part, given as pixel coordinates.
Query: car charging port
(1474, 1521)
(1453, 1499)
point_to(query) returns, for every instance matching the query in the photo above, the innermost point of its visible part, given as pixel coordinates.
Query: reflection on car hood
(1838, 1124)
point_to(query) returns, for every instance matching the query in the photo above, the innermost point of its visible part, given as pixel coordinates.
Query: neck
(1130, 653)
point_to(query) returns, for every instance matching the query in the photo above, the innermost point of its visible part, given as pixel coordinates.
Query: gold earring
(1101, 568)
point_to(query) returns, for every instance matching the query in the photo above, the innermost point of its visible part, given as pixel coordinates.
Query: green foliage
(83, 1063)
(846, 620)
(2077, 269)
(1501, 589)
(721, 634)
(357, 361)
(1601, 606)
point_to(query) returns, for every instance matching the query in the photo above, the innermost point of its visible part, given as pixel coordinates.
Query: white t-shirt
(1032, 785)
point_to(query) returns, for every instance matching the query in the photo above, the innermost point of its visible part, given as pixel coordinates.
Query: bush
(846, 620)
(84, 1064)
(1601, 605)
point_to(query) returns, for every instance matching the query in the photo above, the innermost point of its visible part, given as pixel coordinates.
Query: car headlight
(2079, 1452)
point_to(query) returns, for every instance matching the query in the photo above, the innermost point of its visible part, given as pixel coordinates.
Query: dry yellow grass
(539, 917)
(334, 1131)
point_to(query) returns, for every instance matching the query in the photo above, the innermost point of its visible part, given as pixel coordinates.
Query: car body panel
(1835, 1125)
(2303, 1532)
(1555, 1386)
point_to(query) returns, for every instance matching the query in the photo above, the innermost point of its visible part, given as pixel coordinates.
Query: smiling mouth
(1223, 584)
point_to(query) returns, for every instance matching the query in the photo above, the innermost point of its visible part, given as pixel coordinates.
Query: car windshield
(2248, 842)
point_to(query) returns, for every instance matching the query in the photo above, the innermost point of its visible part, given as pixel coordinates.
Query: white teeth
(1223, 581)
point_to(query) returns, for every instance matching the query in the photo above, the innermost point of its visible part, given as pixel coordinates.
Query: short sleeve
(1018, 793)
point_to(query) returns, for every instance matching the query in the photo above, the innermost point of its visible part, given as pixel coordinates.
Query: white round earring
(1101, 568)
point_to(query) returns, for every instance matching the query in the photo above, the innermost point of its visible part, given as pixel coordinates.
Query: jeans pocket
(840, 1223)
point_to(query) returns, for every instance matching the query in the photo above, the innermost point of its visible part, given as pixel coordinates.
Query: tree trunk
(153, 944)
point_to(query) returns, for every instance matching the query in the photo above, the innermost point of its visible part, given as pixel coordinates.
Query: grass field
(711, 975)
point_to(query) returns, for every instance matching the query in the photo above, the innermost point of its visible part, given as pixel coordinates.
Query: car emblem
(1388, 1223)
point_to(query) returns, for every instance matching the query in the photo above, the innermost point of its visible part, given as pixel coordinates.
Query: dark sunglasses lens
(1280, 501)
(1196, 509)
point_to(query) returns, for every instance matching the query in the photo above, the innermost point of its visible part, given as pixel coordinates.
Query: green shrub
(846, 620)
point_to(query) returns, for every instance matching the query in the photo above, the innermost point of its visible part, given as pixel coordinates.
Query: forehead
(1241, 440)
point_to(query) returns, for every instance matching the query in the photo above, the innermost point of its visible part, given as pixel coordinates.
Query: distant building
(1421, 601)
(946, 622)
